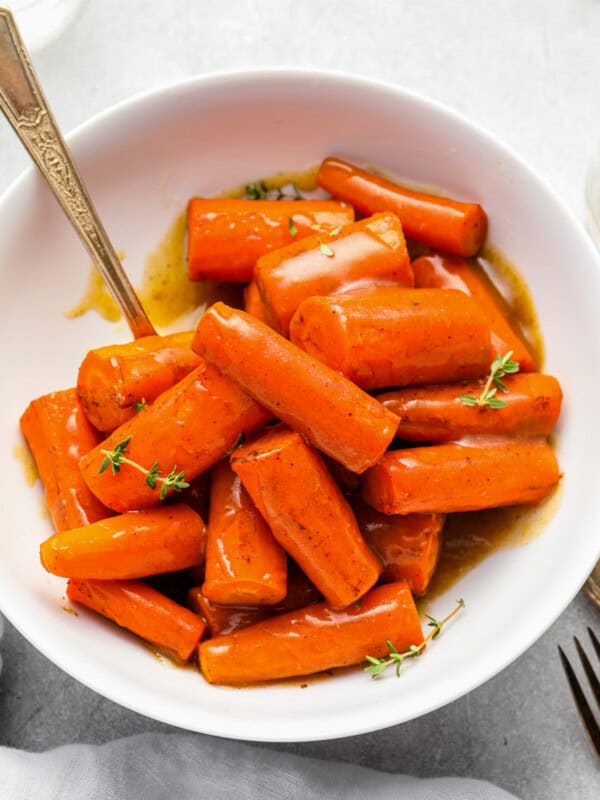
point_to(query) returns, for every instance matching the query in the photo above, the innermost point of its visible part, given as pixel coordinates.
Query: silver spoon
(23, 103)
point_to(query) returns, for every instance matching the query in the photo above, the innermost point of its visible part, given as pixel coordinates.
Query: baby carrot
(244, 563)
(226, 619)
(408, 546)
(142, 610)
(226, 237)
(371, 250)
(447, 272)
(253, 303)
(440, 222)
(436, 414)
(131, 545)
(314, 639)
(189, 427)
(330, 411)
(462, 476)
(307, 513)
(58, 435)
(393, 337)
(115, 381)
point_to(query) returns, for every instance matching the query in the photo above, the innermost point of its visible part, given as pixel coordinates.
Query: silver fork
(590, 723)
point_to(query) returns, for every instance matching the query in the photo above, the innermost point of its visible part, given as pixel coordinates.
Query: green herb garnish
(325, 249)
(141, 405)
(501, 366)
(116, 457)
(292, 227)
(378, 665)
(260, 191)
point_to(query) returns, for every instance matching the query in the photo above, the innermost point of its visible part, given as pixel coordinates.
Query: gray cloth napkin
(182, 766)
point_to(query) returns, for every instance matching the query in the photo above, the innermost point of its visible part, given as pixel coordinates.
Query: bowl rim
(348, 80)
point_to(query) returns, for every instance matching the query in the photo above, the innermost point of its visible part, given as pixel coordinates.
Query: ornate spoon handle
(23, 103)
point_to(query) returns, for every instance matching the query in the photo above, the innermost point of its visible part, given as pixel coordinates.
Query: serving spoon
(24, 104)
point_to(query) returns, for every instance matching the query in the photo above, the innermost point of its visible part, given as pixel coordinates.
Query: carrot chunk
(59, 434)
(439, 222)
(330, 411)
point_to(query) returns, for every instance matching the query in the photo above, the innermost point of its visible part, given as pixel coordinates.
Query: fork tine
(585, 712)
(595, 641)
(591, 675)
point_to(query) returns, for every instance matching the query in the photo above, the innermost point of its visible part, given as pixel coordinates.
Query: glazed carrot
(314, 639)
(462, 476)
(435, 414)
(307, 513)
(142, 610)
(190, 426)
(58, 434)
(253, 303)
(439, 222)
(131, 545)
(393, 337)
(113, 380)
(408, 546)
(244, 563)
(372, 250)
(226, 619)
(447, 272)
(332, 413)
(226, 237)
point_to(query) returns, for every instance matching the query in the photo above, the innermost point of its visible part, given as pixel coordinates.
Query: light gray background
(528, 71)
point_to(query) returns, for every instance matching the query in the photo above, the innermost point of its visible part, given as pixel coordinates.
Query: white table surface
(528, 71)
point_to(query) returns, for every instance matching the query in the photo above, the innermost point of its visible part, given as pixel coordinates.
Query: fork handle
(23, 103)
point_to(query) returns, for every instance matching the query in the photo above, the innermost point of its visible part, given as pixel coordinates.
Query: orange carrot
(447, 272)
(408, 546)
(190, 426)
(436, 221)
(314, 639)
(307, 513)
(394, 337)
(435, 413)
(226, 237)
(226, 619)
(244, 563)
(332, 413)
(113, 380)
(462, 476)
(131, 545)
(142, 610)
(372, 250)
(58, 435)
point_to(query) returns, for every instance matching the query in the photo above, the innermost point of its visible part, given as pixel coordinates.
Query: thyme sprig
(378, 665)
(116, 457)
(501, 366)
(260, 191)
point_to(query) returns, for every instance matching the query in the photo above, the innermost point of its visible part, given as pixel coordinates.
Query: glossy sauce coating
(314, 639)
(391, 336)
(440, 222)
(142, 610)
(113, 379)
(447, 272)
(329, 411)
(407, 545)
(244, 563)
(371, 250)
(226, 237)
(307, 513)
(59, 434)
(131, 545)
(191, 425)
(435, 413)
(462, 476)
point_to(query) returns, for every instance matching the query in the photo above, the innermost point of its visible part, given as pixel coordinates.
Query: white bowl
(142, 161)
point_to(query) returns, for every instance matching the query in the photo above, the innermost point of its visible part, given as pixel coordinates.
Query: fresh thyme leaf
(292, 227)
(378, 665)
(500, 366)
(335, 231)
(141, 405)
(325, 249)
(104, 464)
(152, 477)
